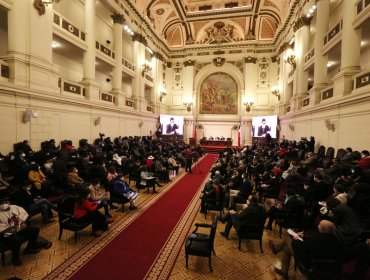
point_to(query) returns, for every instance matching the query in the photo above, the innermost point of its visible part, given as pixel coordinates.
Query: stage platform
(214, 149)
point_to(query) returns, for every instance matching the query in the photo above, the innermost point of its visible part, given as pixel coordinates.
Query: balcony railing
(309, 55)
(128, 64)
(71, 87)
(150, 79)
(4, 69)
(361, 5)
(105, 96)
(327, 93)
(305, 102)
(69, 27)
(333, 32)
(105, 50)
(362, 79)
(130, 103)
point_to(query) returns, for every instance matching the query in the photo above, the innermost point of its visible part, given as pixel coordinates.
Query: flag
(239, 136)
(195, 132)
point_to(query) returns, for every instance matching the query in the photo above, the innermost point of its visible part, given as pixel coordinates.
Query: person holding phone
(99, 195)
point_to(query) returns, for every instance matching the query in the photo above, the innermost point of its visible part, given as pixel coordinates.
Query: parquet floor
(229, 262)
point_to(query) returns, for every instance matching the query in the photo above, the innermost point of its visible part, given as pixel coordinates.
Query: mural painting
(218, 95)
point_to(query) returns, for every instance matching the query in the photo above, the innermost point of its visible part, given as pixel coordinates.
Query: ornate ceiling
(202, 22)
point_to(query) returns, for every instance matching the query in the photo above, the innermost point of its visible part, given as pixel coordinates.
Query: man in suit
(171, 127)
(263, 129)
(251, 214)
(322, 244)
(292, 205)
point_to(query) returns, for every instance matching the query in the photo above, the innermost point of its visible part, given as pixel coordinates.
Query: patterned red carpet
(146, 244)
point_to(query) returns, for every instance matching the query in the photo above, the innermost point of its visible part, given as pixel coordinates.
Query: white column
(350, 57)
(118, 20)
(138, 82)
(188, 93)
(320, 60)
(92, 87)
(30, 36)
(300, 85)
(250, 78)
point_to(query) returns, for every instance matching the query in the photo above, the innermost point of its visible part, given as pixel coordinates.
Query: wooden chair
(200, 244)
(66, 216)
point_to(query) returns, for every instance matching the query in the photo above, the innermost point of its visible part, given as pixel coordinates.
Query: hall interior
(74, 69)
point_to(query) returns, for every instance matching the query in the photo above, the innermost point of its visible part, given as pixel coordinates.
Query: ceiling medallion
(159, 11)
(219, 33)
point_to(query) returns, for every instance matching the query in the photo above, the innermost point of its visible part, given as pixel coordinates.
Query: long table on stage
(216, 142)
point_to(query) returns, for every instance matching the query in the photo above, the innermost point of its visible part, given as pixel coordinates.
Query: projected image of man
(263, 129)
(172, 127)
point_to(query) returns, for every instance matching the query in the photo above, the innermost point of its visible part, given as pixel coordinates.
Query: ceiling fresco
(204, 22)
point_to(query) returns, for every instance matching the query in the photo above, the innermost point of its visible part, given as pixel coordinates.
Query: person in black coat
(322, 244)
(251, 214)
(25, 197)
(292, 206)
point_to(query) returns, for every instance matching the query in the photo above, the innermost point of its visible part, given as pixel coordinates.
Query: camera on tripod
(101, 135)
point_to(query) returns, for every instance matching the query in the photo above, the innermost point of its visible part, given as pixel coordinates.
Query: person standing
(189, 159)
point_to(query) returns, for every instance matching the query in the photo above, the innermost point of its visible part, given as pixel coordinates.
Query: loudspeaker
(97, 121)
(291, 127)
(329, 125)
(278, 127)
(27, 115)
(141, 124)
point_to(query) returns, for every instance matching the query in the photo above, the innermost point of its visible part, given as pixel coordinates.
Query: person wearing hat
(149, 162)
(121, 187)
(15, 230)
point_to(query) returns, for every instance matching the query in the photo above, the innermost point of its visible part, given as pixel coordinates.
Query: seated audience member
(4, 185)
(147, 179)
(318, 191)
(39, 181)
(21, 167)
(15, 230)
(348, 228)
(172, 164)
(73, 179)
(112, 173)
(364, 162)
(161, 171)
(323, 244)
(149, 162)
(212, 194)
(86, 210)
(292, 205)
(26, 198)
(100, 196)
(121, 187)
(251, 215)
(242, 193)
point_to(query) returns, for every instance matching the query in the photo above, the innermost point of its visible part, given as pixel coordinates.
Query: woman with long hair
(85, 210)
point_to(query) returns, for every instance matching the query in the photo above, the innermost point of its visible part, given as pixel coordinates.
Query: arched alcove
(228, 71)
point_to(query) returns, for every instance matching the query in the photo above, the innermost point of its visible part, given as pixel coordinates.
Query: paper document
(294, 234)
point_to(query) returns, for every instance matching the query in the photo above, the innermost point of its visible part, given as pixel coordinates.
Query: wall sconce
(146, 68)
(188, 105)
(291, 60)
(275, 90)
(39, 5)
(161, 95)
(248, 103)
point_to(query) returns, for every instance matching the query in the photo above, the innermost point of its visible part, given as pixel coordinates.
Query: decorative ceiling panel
(186, 22)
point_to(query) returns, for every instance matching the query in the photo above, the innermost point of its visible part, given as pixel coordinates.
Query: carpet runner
(146, 244)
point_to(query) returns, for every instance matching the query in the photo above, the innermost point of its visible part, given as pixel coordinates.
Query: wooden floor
(229, 262)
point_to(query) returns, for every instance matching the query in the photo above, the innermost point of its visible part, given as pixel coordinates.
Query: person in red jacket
(86, 210)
